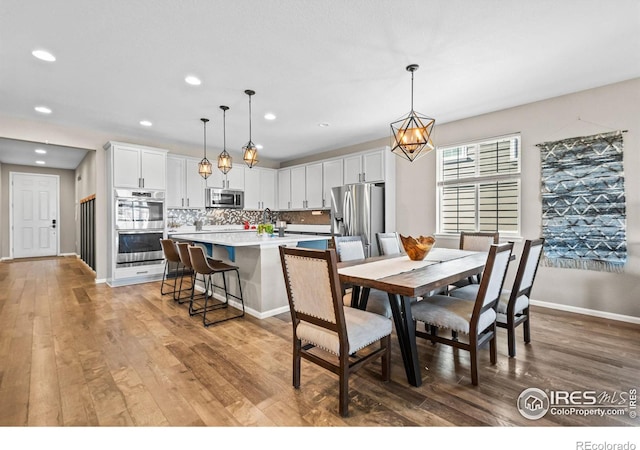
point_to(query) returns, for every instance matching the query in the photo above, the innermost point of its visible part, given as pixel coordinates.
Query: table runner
(387, 267)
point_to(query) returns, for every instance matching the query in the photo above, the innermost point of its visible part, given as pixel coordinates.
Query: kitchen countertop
(244, 239)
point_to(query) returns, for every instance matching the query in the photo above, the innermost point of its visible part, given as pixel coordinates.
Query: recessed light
(40, 151)
(145, 123)
(323, 125)
(270, 116)
(43, 109)
(193, 81)
(39, 162)
(259, 146)
(43, 55)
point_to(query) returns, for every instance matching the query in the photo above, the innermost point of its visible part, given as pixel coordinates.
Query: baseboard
(586, 311)
(69, 254)
(101, 280)
(6, 258)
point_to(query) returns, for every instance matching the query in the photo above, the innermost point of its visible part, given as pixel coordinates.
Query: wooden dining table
(403, 279)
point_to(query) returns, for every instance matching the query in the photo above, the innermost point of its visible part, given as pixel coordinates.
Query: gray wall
(66, 227)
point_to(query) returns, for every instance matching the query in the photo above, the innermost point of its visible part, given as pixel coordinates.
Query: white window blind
(479, 186)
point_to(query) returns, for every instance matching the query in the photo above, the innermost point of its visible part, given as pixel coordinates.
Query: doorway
(34, 215)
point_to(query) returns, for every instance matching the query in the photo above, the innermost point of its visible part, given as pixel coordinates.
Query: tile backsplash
(223, 216)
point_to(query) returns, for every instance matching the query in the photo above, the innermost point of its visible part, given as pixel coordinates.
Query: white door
(34, 215)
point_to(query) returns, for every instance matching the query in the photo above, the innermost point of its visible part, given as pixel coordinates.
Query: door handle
(53, 223)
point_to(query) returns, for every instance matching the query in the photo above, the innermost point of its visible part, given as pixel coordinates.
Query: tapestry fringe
(584, 264)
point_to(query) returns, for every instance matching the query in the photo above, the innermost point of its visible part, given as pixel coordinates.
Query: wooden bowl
(418, 248)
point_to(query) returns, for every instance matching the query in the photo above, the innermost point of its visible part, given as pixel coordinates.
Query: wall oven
(138, 247)
(139, 209)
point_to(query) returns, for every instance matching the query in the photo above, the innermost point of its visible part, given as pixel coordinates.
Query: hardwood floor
(73, 353)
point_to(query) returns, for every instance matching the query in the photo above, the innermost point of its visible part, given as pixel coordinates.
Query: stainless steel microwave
(223, 198)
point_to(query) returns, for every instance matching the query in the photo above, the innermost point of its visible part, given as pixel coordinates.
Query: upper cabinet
(137, 167)
(259, 188)
(284, 189)
(361, 167)
(306, 186)
(234, 179)
(185, 186)
(332, 176)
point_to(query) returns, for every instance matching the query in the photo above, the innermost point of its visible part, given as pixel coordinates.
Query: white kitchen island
(258, 259)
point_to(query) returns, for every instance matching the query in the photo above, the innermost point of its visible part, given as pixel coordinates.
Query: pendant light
(250, 151)
(225, 162)
(411, 135)
(204, 167)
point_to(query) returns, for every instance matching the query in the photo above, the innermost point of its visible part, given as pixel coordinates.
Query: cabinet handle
(182, 202)
(364, 176)
(288, 205)
(187, 203)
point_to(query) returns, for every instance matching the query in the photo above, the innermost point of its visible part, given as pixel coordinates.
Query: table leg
(405, 330)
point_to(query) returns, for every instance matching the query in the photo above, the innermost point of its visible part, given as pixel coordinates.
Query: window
(479, 186)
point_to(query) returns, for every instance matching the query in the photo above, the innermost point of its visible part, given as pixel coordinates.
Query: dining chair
(323, 328)
(351, 248)
(388, 243)
(513, 307)
(479, 241)
(476, 319)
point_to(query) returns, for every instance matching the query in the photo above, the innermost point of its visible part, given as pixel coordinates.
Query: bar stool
(185, 259)
(171, 256)
(208, 267)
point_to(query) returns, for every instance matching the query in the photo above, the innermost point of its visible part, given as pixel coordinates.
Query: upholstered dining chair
(476, 242)
(323, 328)
(513, 307)
(350, 248)
(476, 319)
(388, 243)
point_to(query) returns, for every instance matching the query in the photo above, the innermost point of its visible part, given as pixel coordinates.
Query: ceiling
(13, 151)
(309, 61)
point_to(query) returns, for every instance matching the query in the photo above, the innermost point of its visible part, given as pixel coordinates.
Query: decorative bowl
(417, 248)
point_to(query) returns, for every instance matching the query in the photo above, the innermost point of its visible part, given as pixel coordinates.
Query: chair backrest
(495, 271)
(388, 243)
(313, 288)
(349, 248)
(183, 251)
(169, 250)
(199, 260)
(478, 241)
(527, 268)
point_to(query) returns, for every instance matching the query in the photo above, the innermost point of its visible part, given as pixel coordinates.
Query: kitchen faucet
(264, 216)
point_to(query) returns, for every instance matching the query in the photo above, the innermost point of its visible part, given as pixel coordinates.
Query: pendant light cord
(205, 140)
(224, 130)
(250, 119)
(412, 90)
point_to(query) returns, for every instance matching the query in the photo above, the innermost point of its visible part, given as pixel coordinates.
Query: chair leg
(343, 407)
(433, 330)
(473, 356)
(526, 328)
(297, 344)
(493, 348)
(511, 338)
(386, 358)
(164, 278)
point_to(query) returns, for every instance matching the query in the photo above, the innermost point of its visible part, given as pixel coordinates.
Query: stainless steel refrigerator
(358, 210)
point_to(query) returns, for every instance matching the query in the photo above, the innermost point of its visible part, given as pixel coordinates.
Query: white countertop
(308, 228)
(209, 229)
(244, 239)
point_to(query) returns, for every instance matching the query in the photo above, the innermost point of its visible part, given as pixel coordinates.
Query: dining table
(403, 280)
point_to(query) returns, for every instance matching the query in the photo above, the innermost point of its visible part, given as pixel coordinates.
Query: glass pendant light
(411, 135)
(204, 167)
(250, 151)
(225, 162)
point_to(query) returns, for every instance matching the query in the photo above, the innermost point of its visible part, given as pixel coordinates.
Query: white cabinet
(306, 186)
(138, 167)
(234, 179)
(185, 186)
(284, 189)
(259, 188)
(331, 177)
(368, 166)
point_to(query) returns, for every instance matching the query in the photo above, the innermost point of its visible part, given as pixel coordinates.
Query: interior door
(34, 215)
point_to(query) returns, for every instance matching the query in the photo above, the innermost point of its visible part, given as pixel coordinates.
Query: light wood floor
(73, 353)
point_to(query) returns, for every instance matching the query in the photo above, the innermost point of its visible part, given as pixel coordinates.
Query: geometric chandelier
(411, 135)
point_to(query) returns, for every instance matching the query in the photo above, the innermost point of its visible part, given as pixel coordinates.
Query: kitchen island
(258, 259)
